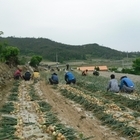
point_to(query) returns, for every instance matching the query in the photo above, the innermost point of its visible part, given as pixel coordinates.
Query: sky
(110, 23)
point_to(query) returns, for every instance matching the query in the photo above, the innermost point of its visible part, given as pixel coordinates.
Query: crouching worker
(69, 78)
(84, 73)
(113, 84)
(96, 73)
(54, 79)
(27, 76)
(36, 75)
(126, 85)
(17, 74)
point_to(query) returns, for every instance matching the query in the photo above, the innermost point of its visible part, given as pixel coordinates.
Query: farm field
(39, 111)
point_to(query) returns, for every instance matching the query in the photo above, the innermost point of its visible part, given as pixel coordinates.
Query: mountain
(49, 49)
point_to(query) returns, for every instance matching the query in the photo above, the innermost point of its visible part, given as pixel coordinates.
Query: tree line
(10, 54)
(49, 49)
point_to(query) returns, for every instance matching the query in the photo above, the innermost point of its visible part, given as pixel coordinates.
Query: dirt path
(74, 115)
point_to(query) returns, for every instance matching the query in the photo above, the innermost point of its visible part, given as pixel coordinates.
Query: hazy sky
(111, 23)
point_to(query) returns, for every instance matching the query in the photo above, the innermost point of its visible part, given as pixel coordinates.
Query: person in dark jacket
(69, 77)
(54, 79)
(95, 72)
(126, 84)
(27, 76)
(67, 66)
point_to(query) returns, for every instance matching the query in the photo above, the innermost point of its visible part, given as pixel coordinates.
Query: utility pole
(56, 57)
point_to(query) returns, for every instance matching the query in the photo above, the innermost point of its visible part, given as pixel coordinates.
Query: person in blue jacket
(54, 79)
(126, 84)
(69, 77)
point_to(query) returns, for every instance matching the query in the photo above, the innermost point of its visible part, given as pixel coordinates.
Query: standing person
(69, 77)
(17, 74)
(113, 85)
(57, 68)
(27, 76)
(126, 84)
(54, 79)
(36, 75)
(67, 67)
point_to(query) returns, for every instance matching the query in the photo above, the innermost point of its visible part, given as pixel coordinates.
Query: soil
(75, 116)
(67, 111)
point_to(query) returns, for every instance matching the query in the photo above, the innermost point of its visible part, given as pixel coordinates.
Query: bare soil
(75, 116)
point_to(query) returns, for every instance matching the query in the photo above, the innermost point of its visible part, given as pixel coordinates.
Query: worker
(84, 73)
(36, 75)
(126, 84)
(54, 79)
(113, 85)
(69, 77)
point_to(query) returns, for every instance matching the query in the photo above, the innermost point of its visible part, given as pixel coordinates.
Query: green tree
(136, 66)
(35, 60)
(2, 46)
(10, 55)
(0, 49)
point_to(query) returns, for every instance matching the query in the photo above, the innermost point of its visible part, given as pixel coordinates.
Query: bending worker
(126, 84)
(69, 77)
(84, 73)
(36, 75)
(53, 79)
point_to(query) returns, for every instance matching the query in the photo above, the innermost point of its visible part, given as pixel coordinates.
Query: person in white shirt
(113, 85)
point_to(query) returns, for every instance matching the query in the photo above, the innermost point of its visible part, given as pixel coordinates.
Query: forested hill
(51, 50)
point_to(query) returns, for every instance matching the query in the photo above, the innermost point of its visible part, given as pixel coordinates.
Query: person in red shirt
(17, 74)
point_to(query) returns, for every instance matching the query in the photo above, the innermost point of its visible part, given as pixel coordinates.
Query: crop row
(8, 122)
(110, 113)
(23, 101)
(51, 123)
